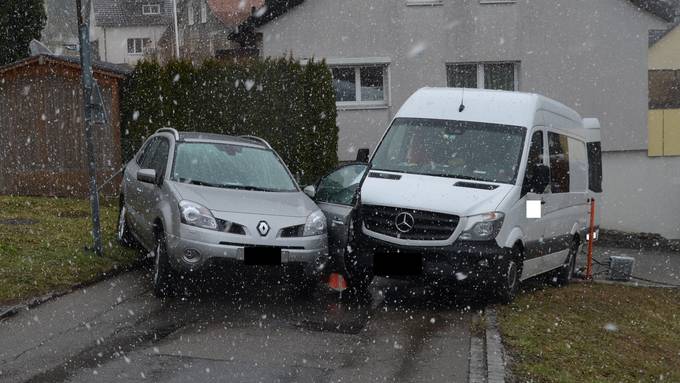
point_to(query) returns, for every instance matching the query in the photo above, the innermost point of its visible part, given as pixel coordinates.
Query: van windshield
(231, 167)
(456, 149)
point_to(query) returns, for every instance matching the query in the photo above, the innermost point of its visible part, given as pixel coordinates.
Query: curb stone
(495, 354)
(487, 355)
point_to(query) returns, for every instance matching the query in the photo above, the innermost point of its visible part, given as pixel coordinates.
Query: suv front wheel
(163, 274)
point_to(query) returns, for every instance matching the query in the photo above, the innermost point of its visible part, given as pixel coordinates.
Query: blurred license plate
(397, 264)
(262, 256)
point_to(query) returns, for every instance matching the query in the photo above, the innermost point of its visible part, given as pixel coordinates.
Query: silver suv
(194, 199)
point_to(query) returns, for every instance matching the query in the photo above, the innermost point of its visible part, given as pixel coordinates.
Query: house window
(499, 76)
(360, 85)
(204, 12)
(151, 9)
(138, 45)
(190, 13)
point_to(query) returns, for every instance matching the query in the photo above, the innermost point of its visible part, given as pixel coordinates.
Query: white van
(454, 179)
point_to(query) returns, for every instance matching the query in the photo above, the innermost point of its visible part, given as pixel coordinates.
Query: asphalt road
(259, 331)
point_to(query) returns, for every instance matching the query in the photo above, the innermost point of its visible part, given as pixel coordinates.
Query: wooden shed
(42, 137)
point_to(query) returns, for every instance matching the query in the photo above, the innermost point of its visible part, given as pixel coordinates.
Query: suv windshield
(230, 166)
(457, 149)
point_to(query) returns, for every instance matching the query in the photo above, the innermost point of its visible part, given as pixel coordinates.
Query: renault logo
(404, 222)
(263, 228)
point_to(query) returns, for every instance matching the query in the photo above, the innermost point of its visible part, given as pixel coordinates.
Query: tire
(164, 278)
(358, 282)
(563, 275)
(123, 233)
(508, 279)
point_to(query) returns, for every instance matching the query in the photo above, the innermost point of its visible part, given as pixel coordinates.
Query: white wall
(641, 194)
(590, 55)
(113, 42)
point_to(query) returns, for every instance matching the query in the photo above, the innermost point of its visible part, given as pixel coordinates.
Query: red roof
(234, 12)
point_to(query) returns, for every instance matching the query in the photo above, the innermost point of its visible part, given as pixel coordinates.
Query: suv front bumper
(309, 252)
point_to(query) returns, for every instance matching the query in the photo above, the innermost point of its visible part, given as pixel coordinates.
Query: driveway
(257, 331)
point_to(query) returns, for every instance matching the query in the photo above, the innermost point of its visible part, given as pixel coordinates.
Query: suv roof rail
(257, 139)
(169, 130)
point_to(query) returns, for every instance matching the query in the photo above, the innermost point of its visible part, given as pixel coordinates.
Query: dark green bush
(290, 105)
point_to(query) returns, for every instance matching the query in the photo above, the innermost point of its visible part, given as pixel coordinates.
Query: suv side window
(558, 149)
(147, 154)
(160, 160)
(339, 187)
(535, 158)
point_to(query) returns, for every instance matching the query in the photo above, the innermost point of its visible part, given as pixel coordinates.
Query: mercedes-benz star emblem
(405, 222)
(263, 228)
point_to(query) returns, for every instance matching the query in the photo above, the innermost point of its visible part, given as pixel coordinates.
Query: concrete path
(117, 331)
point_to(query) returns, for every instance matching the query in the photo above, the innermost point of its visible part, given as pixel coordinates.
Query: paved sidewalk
(652, 265)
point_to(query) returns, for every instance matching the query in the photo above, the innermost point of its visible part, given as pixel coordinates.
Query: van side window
(578, 165)
(535, 158)
(558, 149)
(595, 167)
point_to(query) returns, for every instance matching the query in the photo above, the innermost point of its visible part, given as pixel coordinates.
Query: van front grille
(425, 226)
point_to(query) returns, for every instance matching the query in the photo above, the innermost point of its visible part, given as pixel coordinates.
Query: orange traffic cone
(337, 282)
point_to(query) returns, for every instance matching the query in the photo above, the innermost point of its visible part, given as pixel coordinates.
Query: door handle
(337, 222)
(542, 202)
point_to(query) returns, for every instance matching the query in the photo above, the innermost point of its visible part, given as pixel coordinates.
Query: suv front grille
(427, 226)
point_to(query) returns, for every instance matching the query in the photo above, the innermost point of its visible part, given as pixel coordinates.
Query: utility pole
(174, 16)
(88, 85)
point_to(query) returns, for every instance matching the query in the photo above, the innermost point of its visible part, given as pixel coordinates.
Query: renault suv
(195, 200)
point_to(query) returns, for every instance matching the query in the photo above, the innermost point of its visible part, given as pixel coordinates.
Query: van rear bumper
(460, 261)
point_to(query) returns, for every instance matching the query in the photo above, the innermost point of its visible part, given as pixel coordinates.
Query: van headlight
(197, 215)
(483, 227)
(315, 225)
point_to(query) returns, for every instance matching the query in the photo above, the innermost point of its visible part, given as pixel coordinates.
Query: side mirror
(310, 191)
(362, 155)
(147, 176)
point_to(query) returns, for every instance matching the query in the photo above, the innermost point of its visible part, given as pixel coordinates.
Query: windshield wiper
(244, 187)
(199, 183)
(469, 178)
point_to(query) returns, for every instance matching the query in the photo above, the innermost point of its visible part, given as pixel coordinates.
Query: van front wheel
(507, 284)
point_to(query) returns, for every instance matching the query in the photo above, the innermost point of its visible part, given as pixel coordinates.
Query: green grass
(560, 335)
(50, 254)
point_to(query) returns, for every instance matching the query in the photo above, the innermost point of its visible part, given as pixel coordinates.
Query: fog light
(191, 256)
(483, 263)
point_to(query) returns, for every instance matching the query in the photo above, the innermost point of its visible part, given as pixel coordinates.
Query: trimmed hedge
(290, 105)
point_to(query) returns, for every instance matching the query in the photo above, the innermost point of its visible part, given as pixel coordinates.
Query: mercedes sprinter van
(491, 187)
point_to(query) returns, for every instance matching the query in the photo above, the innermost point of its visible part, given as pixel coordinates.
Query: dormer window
(151, 9)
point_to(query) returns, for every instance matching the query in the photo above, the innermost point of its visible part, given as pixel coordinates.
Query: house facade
(205, 26)
(590, 55)
(125, 31)
(60, 34)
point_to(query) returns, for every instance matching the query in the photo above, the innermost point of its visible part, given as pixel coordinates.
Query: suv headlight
(315, 225)
(483, 227)
(197, 215)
